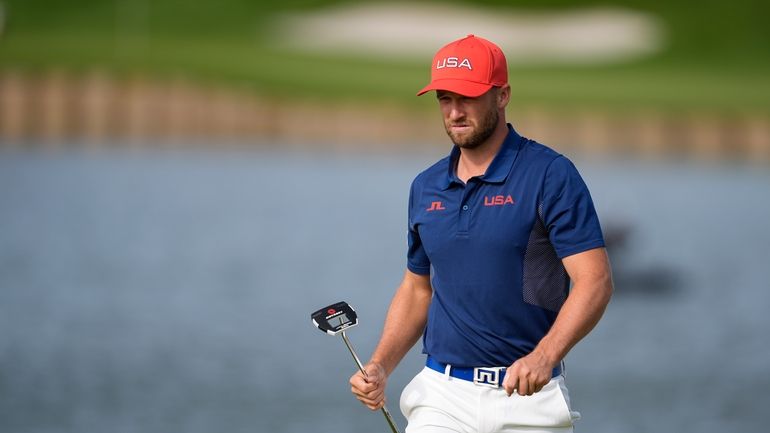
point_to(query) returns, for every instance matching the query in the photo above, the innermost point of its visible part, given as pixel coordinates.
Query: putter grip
(384, 409)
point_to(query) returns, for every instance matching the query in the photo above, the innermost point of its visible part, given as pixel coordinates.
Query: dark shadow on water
(655, 281)
(651, 280)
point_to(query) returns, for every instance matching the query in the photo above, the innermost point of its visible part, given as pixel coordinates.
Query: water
(160, 291)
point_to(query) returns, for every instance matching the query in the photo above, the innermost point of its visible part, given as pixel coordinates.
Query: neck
(474, 162)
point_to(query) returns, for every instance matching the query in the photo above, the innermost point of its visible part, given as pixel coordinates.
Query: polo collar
(498, 169)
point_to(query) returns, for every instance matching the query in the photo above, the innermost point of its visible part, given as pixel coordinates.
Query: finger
(381, 403)
(523, 388)
(366, 384)
(537, 383)
(360, 393)
(377, 394)
(510, 384)
(357, 392)
(378, 404)
(358, 386)
(365, 398)
(366, 389)
(372, 402)
(373, 405)
(531, 389)
(358, 377)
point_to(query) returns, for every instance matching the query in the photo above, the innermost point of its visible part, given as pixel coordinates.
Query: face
(469, 122)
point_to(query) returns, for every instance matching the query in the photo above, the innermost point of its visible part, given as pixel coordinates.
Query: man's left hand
(528, 375)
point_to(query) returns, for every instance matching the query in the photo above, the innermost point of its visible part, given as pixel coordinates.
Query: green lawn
(717, 57)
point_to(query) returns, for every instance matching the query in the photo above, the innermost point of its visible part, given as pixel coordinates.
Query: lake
(170, 291)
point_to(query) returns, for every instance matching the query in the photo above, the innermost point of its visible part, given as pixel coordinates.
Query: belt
(484, 376)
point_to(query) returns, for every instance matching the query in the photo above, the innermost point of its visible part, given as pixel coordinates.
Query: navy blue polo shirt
(494, 247)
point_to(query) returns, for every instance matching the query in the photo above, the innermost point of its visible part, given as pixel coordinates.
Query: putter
(335, 319)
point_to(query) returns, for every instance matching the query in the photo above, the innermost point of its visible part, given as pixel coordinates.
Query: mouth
(460, 128)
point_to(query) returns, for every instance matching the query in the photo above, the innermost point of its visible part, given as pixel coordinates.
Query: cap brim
(466, 88)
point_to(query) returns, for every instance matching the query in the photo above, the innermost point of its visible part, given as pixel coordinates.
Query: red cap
(469, 66)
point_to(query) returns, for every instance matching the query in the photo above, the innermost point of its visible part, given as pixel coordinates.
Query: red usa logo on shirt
(498, 200)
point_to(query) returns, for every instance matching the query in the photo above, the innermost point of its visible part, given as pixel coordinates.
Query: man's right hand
(370, 389)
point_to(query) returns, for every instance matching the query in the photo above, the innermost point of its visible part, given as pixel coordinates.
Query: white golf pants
(437, 403)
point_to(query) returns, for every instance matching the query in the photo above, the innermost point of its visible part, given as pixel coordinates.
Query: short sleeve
(567, 210)
(417, 260)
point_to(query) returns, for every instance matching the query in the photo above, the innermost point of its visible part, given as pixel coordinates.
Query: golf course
(709, 62)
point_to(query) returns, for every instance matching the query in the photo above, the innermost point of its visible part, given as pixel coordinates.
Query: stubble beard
(486, 129)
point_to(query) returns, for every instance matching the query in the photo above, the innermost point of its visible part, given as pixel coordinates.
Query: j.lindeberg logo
(435, 205)
(453, 62)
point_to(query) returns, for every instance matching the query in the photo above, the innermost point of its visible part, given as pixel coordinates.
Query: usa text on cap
(469, 66)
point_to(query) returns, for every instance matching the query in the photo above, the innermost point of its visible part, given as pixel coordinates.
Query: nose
(456, 111)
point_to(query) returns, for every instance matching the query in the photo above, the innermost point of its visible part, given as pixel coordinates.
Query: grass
(717, 58)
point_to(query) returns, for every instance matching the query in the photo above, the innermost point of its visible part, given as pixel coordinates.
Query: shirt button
(465, 207)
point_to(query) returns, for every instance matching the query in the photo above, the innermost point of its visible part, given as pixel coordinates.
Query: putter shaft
(384, 409)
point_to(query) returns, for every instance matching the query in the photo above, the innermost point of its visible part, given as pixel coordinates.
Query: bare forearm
(405, 321)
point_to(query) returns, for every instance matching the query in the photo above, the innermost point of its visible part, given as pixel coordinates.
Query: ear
(503, 96)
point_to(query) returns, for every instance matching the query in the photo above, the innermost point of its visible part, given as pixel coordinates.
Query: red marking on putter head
(331, 311)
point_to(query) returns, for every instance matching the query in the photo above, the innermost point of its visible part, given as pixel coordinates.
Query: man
(496, 232)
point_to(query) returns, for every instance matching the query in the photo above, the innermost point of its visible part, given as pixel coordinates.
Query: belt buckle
(487, 376)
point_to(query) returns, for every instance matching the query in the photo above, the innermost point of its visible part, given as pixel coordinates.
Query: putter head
(335, 318)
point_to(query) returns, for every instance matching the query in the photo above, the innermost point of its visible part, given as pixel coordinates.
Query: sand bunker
(417, 30)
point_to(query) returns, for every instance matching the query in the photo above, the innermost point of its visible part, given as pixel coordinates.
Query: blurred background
(183, 183)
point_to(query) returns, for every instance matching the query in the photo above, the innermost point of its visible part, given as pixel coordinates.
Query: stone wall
(56, 109)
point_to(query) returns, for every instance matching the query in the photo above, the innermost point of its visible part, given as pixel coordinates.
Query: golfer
(497, 231)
